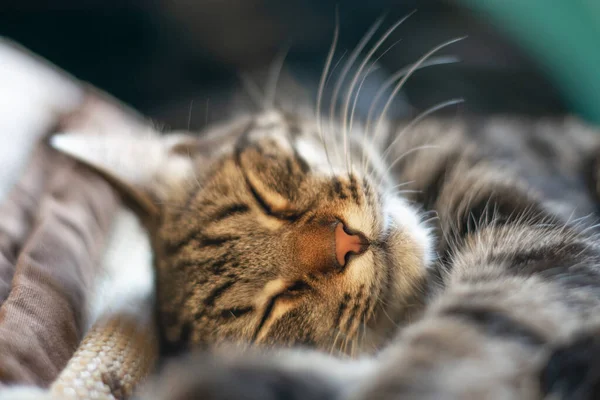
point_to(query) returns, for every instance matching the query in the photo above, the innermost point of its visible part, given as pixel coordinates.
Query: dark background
(169, 57)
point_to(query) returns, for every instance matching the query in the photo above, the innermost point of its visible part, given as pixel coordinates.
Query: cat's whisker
(402, 156)
(580, 226)
(372, 68)
(392, 188)
(401, 192)
(274, 75)
(418, 119)
(472, 195)
(394, 323)
(338, 85)
(340, 347)
(352, 346)
(335, 66)
(580, 219)
(194, 173)
(579, 223)
(332, 347)
(589, 228)
(206, 112)
(356, 347)
(350, 91)
(335, 340)
(345, 344)
(390, 82)
(427, 212)
(429, 220)
(323, 80)
(403, 184)
(379, 301)
(568, 221)
(396, 190)
(484, 217)
(363, 336)
(190, 114)
(402, 81)
(253, 90)
(354, 325)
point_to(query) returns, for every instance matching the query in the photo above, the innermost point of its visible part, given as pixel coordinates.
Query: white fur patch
(314, 154)
(399, 213)
(126, 281)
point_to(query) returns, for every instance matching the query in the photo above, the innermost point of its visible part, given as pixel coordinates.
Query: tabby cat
(286, 230)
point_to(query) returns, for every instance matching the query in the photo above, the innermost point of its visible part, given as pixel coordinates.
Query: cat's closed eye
(284, 298)
(296, 289)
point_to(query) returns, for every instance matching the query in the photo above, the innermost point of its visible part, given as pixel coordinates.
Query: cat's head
(269, 232)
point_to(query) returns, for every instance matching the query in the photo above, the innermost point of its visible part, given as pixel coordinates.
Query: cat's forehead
(277, 134)
(269, 128)
(280, 128)
(292, 134)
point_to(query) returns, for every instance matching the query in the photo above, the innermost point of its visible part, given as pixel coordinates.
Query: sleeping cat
(267, 232)
(436, 257)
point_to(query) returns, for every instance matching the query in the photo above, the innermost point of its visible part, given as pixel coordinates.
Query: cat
(283, 231)
(368, 258)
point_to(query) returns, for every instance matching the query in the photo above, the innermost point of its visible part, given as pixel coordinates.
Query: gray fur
(470, 304)
(517, 270)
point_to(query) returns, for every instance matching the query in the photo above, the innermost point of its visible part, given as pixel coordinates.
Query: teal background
(563, 36)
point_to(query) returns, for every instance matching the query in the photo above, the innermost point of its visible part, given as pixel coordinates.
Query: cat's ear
(150, 167)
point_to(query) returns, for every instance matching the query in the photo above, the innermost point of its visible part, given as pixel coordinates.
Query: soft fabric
(42, 319)
(69, 259)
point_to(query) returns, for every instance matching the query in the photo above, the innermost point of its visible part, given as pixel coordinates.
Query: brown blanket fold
(17, 213)
(63, 211)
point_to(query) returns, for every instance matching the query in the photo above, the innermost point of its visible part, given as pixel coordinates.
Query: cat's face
(264, 237)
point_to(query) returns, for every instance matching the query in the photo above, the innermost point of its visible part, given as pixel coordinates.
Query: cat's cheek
(409, 250)
(406, 229)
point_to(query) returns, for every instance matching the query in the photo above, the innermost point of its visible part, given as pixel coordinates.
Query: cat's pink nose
(347, 243)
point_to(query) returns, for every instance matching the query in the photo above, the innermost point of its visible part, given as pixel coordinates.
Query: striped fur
(509, 268)
(246, 256)
(517, 269)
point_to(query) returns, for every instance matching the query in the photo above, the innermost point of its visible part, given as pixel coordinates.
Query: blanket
(76, 280)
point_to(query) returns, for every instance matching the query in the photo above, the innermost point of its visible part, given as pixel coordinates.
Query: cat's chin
(407, 248)
(394, 311)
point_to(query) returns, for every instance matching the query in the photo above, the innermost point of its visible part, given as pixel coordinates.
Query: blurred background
(178, 61)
